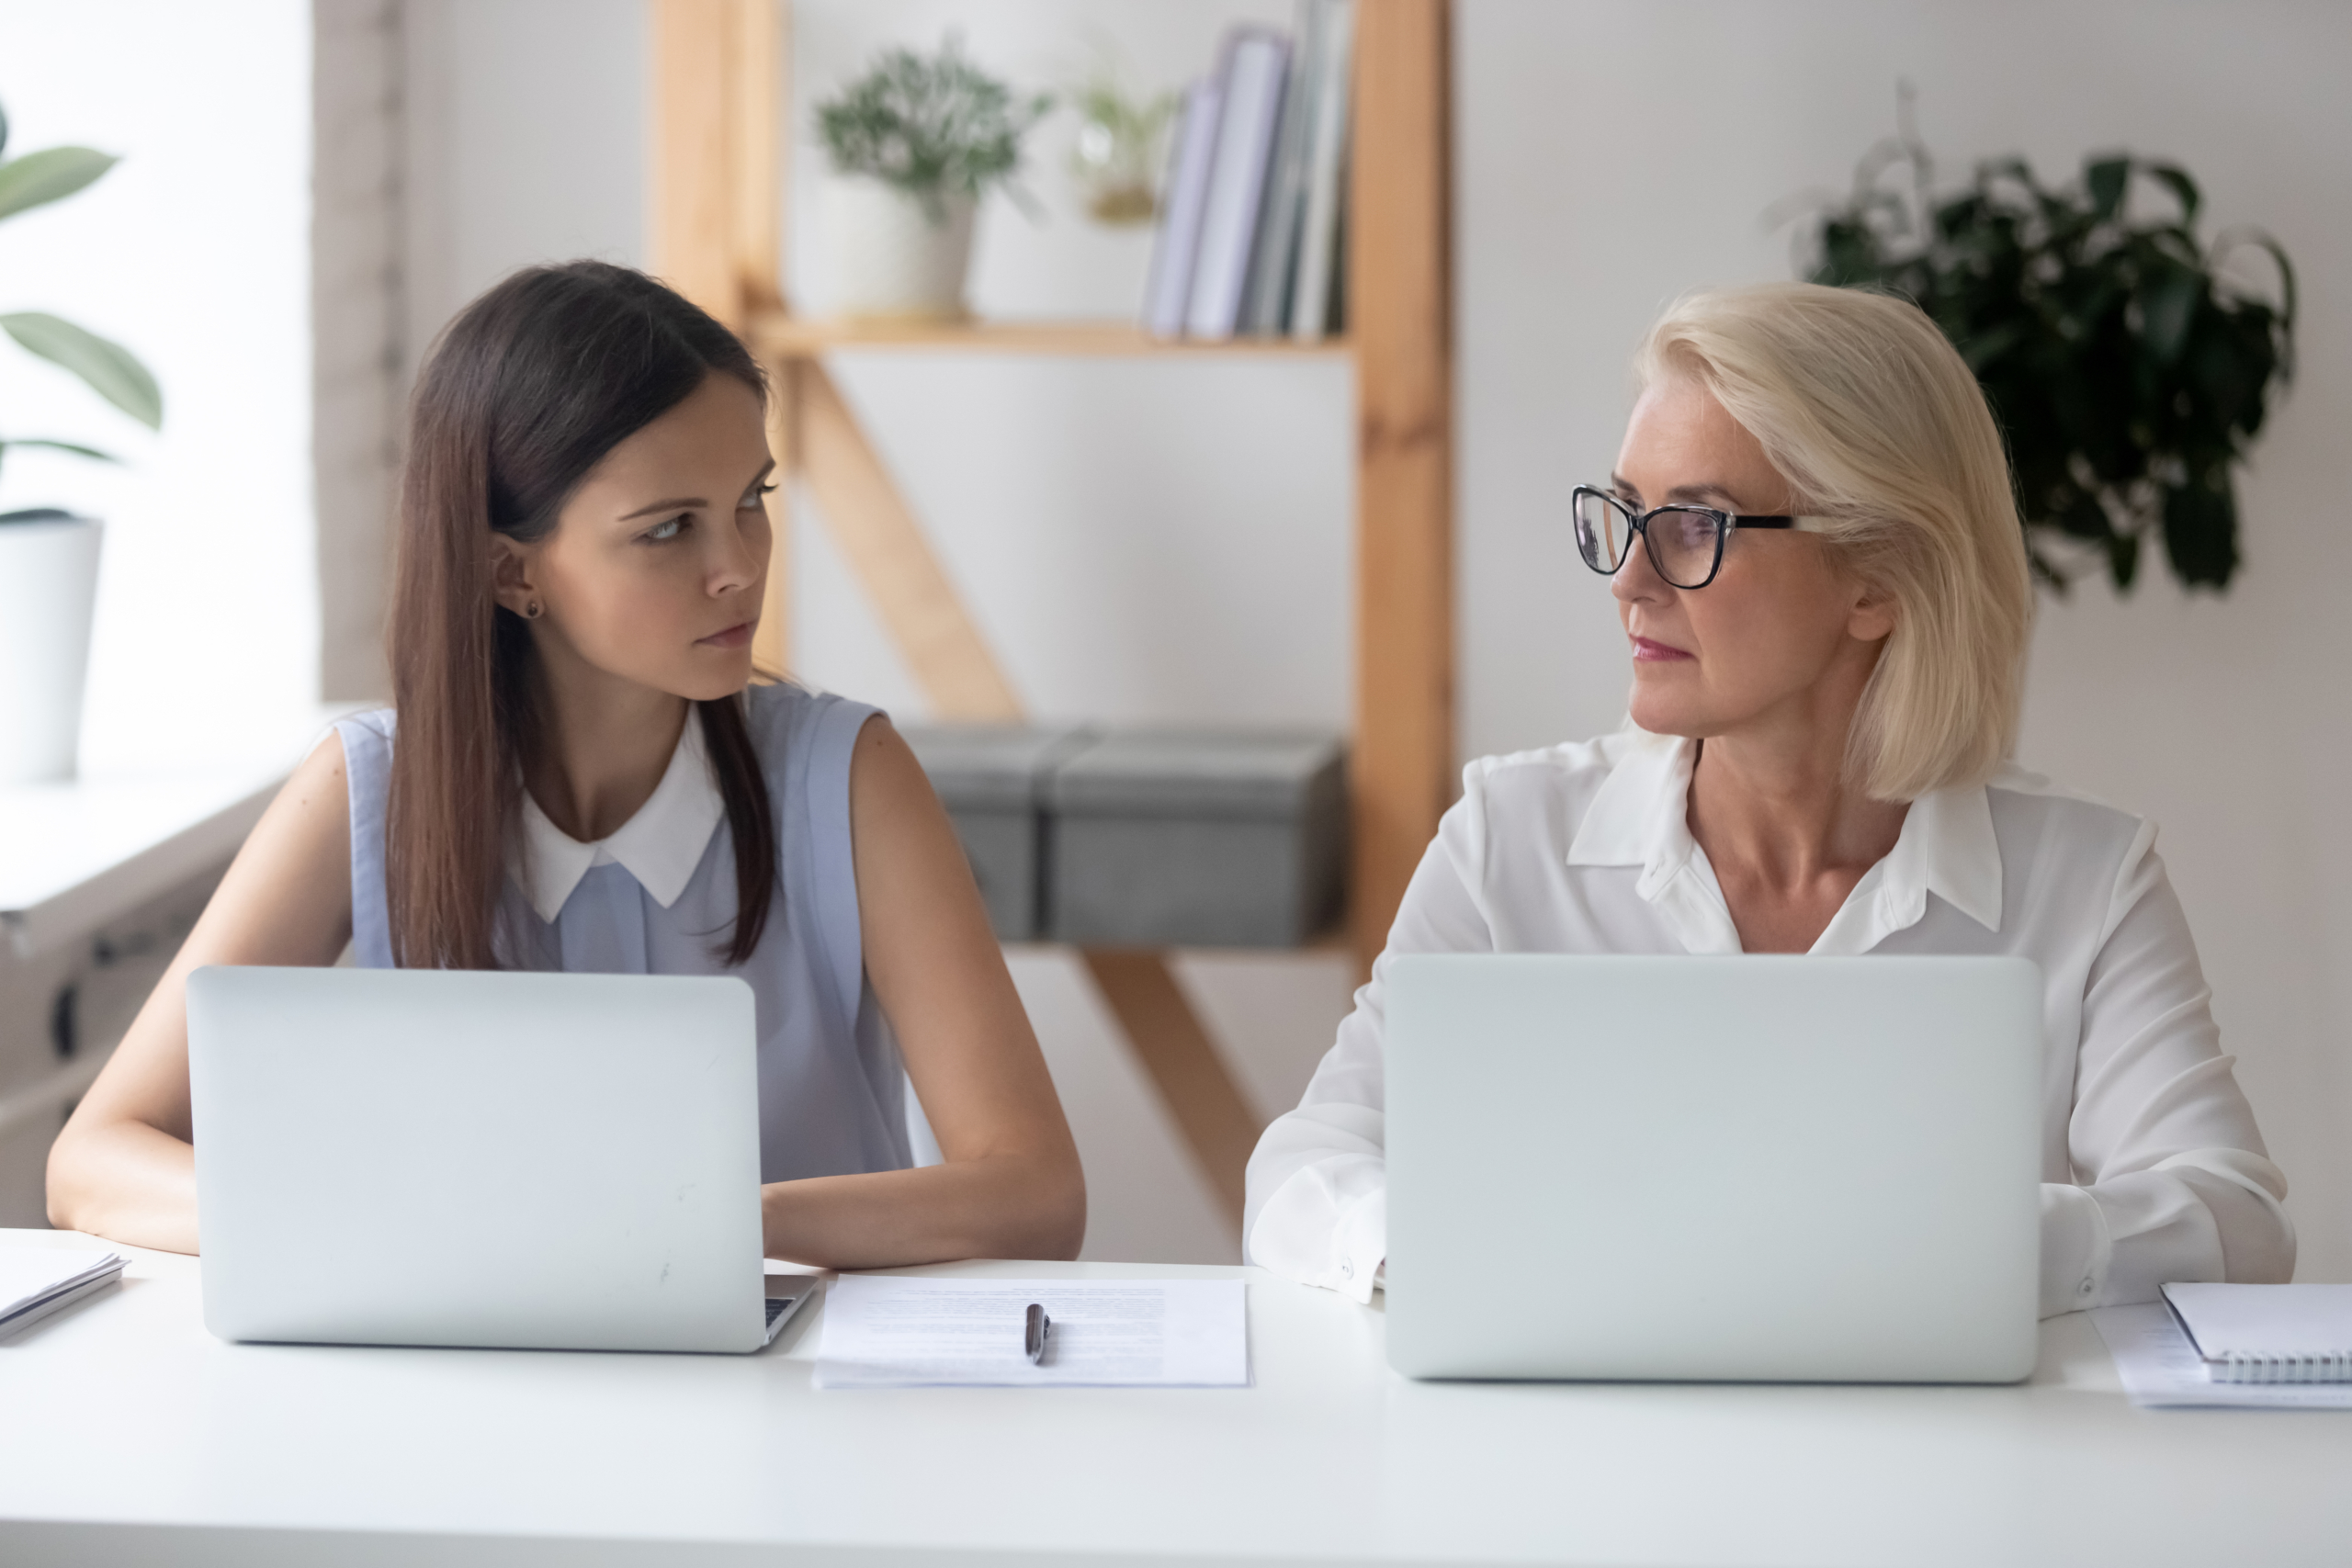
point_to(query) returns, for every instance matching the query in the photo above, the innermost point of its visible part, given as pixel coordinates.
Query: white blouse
(2151, 1167)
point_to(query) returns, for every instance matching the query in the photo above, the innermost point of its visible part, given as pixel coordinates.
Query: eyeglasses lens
(1603, 532)
(1682, 545)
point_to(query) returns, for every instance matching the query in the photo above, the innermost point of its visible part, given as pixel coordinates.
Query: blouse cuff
(2076, 1252)
(1359, 1247)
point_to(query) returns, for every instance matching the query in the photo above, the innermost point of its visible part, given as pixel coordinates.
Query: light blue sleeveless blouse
(832, 1092)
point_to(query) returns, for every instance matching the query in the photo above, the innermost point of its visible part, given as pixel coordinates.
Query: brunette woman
(583, 777)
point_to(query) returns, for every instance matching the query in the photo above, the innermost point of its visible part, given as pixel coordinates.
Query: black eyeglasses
(1685, 543)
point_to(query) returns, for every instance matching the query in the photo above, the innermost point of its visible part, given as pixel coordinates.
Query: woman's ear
(511, 577)
(1872, 618)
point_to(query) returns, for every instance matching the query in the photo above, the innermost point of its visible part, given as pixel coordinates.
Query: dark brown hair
(524, 392)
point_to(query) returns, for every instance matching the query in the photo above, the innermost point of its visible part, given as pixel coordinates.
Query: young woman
(579, 775)
(1815, 551)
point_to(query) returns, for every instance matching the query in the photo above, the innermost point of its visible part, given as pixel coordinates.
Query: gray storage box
(991, 778)
(1197, 840)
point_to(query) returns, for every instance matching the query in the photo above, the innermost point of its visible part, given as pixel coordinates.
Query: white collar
(660, 845)
(1640, 816)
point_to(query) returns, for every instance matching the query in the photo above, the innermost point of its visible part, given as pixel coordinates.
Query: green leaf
(2123, 560)
(2108, 180)
(2201, 531)
(4, 130)
(2168, 301)
(109, 368)
(75, 447)
(2263, 241)
(49, 174)
(2183, 189)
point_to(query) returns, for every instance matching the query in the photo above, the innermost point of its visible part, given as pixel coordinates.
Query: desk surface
(125, 1413)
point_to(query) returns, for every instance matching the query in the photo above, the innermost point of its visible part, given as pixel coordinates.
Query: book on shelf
(1248, 241)
(1186, 191)
(1274, 253)
(1257, 65)
(1316, 281)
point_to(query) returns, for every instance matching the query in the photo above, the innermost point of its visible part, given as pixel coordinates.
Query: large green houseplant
(48, 557)
(36, 179)
(2129, 375)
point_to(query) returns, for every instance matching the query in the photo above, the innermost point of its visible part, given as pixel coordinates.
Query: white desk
(126, 1414)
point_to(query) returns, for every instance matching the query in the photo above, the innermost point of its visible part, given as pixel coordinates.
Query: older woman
(1813, 546)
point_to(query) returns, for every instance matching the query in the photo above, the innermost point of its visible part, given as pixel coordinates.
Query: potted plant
(914, 144)
(48, 557)
(1116, 158)
(2128, 376)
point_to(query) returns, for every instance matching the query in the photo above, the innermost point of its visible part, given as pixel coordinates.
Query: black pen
(1032, 1336)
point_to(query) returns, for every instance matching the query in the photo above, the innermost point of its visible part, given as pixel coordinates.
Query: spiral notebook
(2269, 1333)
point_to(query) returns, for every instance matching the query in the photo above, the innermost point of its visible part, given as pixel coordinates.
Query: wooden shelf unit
(719, 116)
(782, 336)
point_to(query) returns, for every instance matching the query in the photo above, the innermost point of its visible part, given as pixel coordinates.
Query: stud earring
(531, 611)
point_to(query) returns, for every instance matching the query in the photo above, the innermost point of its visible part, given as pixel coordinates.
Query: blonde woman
(1813, 547)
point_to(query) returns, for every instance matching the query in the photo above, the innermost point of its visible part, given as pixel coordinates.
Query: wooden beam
(877, 530)
(692, 242)
(758, 103)
(1169, 1040)
(1400, 309)
(804, 337)
(717, 153)
(772, 643)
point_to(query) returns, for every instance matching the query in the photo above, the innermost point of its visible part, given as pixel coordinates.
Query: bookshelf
(720, 114)
(778, 334)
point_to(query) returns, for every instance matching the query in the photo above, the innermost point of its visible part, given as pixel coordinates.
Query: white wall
(1154, 541)
(526, 143)
(192, 252)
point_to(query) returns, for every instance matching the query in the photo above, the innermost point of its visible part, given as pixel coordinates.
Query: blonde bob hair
(1871, 414)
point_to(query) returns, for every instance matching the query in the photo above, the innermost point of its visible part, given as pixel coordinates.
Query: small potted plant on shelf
(2128, 376)
(49, 557)
(1117, 156)
(914, 144)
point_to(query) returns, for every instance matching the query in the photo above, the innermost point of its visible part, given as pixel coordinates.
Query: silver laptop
(1767, 1169)
(443, 1157)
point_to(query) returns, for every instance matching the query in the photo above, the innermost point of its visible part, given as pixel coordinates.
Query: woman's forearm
(1008, 1206)
(130, 1182)
(126, 1181)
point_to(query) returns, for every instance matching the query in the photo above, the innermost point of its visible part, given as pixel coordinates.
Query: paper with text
(899, 1333)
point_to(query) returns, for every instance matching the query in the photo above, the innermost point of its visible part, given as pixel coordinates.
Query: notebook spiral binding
(2238, 1366)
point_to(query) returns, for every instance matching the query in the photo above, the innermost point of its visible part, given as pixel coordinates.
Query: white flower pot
(48, 585)
(889, 259)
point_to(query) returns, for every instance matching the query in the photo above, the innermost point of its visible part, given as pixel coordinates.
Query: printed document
(884, 1332)
(2160, 1367)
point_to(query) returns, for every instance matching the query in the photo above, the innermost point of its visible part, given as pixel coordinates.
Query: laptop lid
(1760, 1167)
(411, 1157)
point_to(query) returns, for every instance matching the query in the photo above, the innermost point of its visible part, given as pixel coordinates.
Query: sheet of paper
(30, 1275)
(2313, 1320)
(2160, 1367)
(882, 1332)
